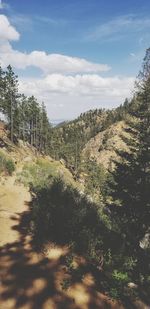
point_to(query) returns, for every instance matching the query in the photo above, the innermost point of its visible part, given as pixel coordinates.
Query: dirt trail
(12, 203)
(33, 281)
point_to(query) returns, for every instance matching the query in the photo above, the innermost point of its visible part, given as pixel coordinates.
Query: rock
(132, 285)
(62, 161)
(145, 242)
(28, 159)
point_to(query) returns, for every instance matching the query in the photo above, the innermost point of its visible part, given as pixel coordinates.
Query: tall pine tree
(130, 182)
(11, 95)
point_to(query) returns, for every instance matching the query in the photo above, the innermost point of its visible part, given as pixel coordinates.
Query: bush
(10, 166)
(7, 166)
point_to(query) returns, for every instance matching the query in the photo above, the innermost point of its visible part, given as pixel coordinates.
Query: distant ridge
(56, 122)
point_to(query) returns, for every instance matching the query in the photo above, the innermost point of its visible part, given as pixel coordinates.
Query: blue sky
(75, 55)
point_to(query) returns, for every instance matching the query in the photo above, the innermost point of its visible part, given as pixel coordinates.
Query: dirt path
(33, 281)
(13, 199)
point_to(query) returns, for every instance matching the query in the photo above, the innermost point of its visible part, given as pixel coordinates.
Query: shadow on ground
(29, 280)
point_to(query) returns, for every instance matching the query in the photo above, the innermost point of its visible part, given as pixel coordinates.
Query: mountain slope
(103, 147)
(69, 139)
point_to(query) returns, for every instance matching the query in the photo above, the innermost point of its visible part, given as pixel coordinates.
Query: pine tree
(23, 129)
(2, 89)
(44, 130)
(130, 182)
(33, 113)
(11, 95)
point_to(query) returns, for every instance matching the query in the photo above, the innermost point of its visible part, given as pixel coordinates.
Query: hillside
(37, 266)
(36, 271)
(29, 163)
(69, 140)
(103, 146)
(89, 144)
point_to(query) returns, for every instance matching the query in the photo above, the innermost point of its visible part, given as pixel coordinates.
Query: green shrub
(120, 276)
(10, 166)
(7, 165)
(114, 293)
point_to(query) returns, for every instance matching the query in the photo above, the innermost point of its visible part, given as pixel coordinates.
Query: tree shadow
(32, 280)
(29, 279)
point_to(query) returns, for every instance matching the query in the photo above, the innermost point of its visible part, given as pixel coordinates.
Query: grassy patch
(38, 173)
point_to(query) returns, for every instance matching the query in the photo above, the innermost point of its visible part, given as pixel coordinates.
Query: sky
(75, 55)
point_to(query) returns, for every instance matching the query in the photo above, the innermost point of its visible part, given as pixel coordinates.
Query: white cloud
(85, 91)
(119, 27)
(7, 31)
(48, 63)
(86, 84)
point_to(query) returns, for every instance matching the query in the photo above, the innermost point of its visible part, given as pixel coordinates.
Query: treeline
(26, 118)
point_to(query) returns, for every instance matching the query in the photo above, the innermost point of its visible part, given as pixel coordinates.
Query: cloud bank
(85, 85)
(68, 96)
